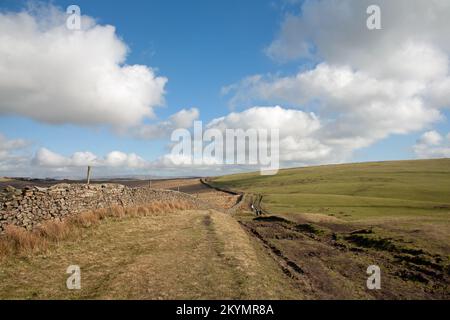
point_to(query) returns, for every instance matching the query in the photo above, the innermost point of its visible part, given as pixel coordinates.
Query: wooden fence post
(88, 174)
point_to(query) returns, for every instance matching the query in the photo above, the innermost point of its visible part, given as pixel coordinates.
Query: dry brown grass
(102, 213)
(172, 255)
(24, 241)
(17, 240)
(85, 219)
(142, 211)
(5, 248)
(131, 212)
(54, 230)
(116, 212)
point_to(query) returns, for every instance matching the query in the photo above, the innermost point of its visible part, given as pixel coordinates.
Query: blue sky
(199, 45)
(203, 46)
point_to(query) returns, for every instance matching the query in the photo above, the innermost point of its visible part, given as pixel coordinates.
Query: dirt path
(183, 255)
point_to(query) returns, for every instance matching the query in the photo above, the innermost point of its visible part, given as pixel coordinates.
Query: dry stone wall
(29, 206)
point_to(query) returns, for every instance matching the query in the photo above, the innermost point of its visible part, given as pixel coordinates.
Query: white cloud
(46, 163)
(8, 145)
(298, 131)
(47, 158)
(289, 121)
(120, 159)
(183, 119)
(82, 159)
(356, 109)
(432, 145)
(335, 31)
(365, 85)
(431, 138)
(55, 75)
(116, 159)
(12, 158)
(412, 47)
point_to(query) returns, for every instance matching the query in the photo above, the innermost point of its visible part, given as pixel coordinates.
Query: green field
(355, 191)
(407, 202)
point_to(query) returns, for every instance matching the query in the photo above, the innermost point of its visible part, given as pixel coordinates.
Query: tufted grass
(19, 241)
(189, 254)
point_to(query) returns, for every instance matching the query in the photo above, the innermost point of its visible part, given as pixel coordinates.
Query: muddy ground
(330, 261)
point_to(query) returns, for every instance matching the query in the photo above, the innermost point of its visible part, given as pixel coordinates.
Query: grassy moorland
(189, 254)
(322, 227)
(397, 212)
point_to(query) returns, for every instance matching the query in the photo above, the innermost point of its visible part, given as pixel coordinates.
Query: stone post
(88, 175)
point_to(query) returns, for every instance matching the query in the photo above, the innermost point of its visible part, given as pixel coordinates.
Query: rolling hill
(342, 218)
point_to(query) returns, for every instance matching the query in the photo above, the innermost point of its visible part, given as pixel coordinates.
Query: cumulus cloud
(430, 138)
(13, 144)
(432, 145)
(183, 119)
(12, 157)
(288, 121)
(47, 163)
(47, 158)
(365, 84)
(335, 31)
(116, 159)
(120, 159)
(298, 131)
(55, 75)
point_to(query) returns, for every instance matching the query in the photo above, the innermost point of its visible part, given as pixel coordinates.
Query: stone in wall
(29, 206)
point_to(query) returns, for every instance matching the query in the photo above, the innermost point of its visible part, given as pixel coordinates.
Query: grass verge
(19, 241)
